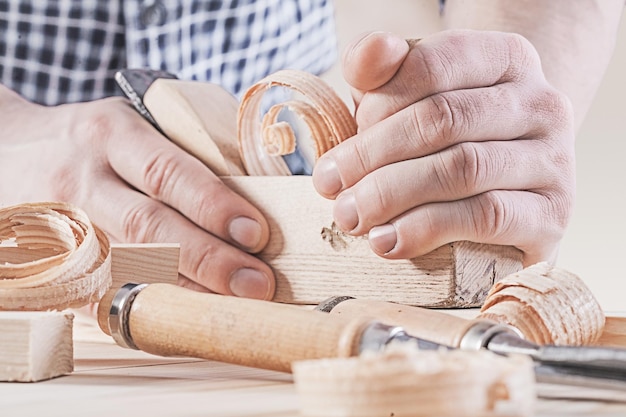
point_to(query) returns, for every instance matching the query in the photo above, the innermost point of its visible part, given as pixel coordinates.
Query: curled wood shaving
(549, 305)
(406, 382)
(261, 144)
(76, 267)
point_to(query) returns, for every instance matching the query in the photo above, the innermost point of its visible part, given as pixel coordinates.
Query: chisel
(167, 320)
(597, 366)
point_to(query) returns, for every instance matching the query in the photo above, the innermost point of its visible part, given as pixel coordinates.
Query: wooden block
(130, 262)
(313, 260)
(144, 263)
(35, 346)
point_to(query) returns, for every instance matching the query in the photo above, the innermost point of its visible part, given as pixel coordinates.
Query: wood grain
(169, 320)
(144, 263)
(313, 260)
(35, 346)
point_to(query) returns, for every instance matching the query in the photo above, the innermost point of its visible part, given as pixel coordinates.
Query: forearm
(575, 39)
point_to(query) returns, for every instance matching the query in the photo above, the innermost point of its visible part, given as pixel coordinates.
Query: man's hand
(136, 185)
(460, 138)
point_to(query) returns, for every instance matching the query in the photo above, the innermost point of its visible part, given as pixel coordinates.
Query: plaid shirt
(60, 51)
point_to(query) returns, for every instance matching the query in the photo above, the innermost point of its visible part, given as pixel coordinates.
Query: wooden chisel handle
(168, 320)
(427, 324)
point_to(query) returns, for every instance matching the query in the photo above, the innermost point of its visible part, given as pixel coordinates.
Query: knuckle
(98, 124)
(210, 204)
(457, 171)
(496, 217)
(99, 120)
(466, 164)
(554, 108)
(433, 68)
(558, 210)
(434, 122)
(140, 222)
(159, 173)
(376, 199)
(360, 155)
(430, 227)
(203, 265)
(522, 56)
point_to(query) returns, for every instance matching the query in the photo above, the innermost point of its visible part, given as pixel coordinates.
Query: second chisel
(572, 365)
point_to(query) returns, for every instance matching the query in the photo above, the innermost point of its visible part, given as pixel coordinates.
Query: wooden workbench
(112, 381)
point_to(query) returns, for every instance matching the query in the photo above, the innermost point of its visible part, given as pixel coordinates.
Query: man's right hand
(103, 157)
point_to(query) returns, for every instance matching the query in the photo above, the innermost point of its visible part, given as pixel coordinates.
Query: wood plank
(130, 262)
(35, 346)
(313, 260)
(144, 263)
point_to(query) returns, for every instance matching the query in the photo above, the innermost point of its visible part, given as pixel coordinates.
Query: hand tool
(200, 118)
(597, 366)
(167, 320)
(135, 82)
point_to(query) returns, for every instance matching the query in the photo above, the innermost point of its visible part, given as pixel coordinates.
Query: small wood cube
(35, 346)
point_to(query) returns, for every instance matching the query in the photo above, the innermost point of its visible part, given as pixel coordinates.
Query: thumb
(371, 60)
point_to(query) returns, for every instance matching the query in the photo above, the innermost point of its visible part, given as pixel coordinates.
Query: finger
(531, 222)
(447, 61)
(456, 173)
(372, 60)
(185, 282)
(131, 216)
(438, 122)
(163, 171)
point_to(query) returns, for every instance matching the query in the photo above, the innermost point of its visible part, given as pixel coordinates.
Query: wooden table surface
(112, 381)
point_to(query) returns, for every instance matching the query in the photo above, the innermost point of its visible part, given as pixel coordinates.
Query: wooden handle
(168, 320)
(201, 118)
(431, 325)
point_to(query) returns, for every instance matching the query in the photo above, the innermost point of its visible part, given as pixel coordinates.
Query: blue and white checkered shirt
(60, 51)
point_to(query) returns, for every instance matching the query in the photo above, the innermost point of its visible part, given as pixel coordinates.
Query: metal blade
(378, 335)
(135, 82)
(597, 367)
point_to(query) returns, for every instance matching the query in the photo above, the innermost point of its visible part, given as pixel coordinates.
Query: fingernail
(245, 231)
(345, 213)
(250, 283)
(326, 177)
(383, 238)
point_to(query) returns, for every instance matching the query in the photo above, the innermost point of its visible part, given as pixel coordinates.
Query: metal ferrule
(118, 314)
(479, 335)
(377, 335)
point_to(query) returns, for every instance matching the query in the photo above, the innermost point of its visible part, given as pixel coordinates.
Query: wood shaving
(75, 268)
(406, 382)
(549, 305)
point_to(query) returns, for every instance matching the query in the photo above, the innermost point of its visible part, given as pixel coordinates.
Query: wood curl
(549, 305)
(262, 143)
(65, 259)
(404, 382)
